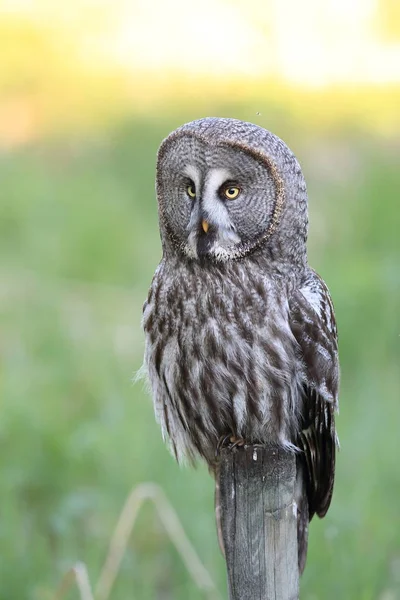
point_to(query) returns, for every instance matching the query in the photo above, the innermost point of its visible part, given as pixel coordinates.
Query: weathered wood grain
(259, 522)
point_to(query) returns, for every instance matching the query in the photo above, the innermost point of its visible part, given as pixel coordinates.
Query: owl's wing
(314, 327)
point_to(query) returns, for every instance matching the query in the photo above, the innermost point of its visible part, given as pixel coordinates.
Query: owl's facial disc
(211, 230)
(216, 201)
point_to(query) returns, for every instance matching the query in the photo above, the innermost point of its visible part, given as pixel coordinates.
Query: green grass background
(78, 245)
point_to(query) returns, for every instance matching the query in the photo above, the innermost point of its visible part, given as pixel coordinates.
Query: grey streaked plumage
(240, 332)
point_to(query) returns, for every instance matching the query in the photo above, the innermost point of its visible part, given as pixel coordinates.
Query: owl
(241, 340)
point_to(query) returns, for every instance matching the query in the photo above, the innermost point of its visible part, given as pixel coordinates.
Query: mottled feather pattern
(240, 332)
(314, 327)
(222, 356)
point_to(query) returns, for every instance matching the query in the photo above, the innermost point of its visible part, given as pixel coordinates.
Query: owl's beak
(205, 225)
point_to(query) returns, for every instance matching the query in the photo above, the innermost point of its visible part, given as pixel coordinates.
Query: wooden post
(258, 517)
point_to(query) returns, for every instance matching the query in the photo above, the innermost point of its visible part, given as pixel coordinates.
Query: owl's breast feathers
(228, 350)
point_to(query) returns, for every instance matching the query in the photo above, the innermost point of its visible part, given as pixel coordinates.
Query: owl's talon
(236, 442)
(229, 441)
(221, 443)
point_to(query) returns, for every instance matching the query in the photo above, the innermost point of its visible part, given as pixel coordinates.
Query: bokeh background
(88, 89)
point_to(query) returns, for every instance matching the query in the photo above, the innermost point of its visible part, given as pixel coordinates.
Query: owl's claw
(229, 441)
(221, 443)
(236, 442)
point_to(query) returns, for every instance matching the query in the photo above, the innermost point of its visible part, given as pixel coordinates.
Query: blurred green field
(78, 246)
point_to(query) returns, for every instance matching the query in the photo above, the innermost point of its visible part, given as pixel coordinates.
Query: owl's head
(227, 189)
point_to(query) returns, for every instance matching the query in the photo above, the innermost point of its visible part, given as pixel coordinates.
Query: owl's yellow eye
(191, 190)
(231, 192)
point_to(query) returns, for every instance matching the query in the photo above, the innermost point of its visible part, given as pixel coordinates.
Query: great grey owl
(240, 332)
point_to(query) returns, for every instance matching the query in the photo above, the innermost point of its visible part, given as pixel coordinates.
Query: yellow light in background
(134, 52)
(305, 42)
(332, 42)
